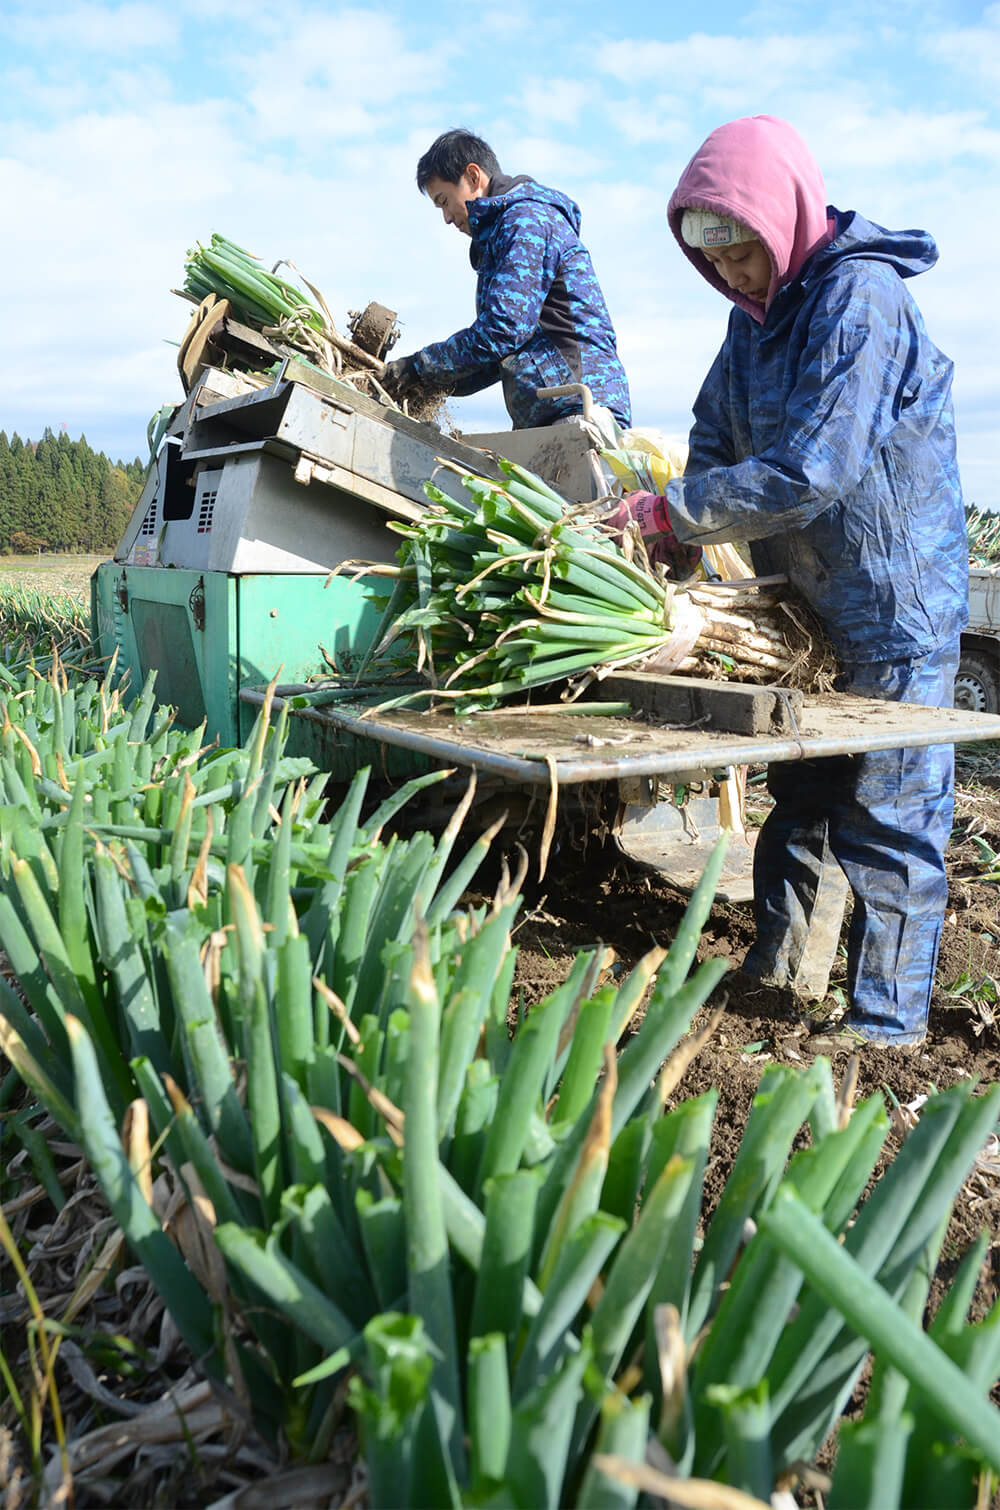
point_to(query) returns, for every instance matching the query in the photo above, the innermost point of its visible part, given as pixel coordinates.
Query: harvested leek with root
(512, 591)
(273, 305)
(262, 298)
(755, 632)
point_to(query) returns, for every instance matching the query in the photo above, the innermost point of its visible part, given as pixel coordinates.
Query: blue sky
(130, 131)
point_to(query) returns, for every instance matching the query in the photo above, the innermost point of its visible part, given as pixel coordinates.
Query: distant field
(69, 574)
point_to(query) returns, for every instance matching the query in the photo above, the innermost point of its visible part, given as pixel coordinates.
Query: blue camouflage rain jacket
(541, 320)
(824, 436)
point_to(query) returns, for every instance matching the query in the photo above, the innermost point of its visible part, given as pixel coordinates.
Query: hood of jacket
(759, 171)
(504, 192)
(909, 252)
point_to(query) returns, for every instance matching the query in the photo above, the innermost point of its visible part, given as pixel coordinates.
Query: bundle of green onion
(515, 591)
(984, 536)
(260, 297)
(509, 593)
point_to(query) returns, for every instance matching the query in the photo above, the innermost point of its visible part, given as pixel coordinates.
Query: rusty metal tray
(539, 748)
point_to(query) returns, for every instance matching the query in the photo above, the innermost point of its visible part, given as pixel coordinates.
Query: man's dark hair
(451, 154)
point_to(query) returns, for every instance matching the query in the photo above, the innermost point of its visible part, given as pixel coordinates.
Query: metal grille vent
(206, 508)
(148, 525)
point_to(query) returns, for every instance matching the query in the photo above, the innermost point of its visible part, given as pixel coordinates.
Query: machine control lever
(566, 390)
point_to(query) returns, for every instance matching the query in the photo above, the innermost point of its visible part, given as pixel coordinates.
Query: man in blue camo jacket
(541, 320)
(824, 436)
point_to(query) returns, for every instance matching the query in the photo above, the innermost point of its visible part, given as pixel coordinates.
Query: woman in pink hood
(823, 437)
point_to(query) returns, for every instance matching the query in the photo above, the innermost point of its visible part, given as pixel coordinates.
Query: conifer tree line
(58, 494)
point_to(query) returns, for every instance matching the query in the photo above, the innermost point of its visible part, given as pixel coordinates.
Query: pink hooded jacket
(759, 171)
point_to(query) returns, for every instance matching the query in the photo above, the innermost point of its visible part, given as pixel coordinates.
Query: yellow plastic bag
(646, 461)
(645, 464)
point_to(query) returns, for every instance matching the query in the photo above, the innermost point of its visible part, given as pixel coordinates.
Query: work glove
(648, 511)
(651, 513)
(400, 377)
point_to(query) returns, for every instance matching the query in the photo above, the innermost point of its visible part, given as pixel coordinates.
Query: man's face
(453, 199)
(746, 267)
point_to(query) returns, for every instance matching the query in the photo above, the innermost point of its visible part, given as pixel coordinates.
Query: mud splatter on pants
(885, 818)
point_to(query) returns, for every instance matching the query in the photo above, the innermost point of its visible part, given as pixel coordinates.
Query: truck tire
(977, 683)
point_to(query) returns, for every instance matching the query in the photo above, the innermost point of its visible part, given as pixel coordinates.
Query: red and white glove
(648, 511)
(651, 513)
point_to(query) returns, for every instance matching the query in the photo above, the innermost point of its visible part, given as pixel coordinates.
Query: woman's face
(746, 267)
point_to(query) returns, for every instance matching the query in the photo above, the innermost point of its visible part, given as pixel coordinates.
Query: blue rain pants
(885, 818)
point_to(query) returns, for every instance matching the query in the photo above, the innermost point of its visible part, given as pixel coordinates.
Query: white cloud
(337, 75)
(973, 50)
(702, 62)
(507, 23)
(542, 101)
(645, 123)
(551, 160)
(47, 99)
(914, 140)
(94, 28)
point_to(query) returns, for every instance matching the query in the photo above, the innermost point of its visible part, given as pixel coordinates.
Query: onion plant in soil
(315, 1022)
